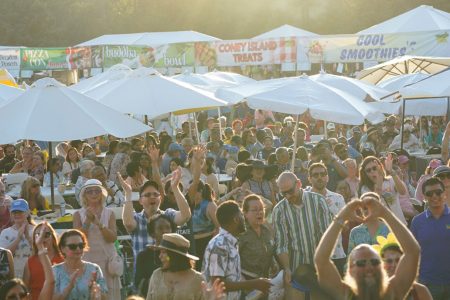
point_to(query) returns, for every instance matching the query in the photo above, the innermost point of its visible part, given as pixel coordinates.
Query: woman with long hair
(38, 166)
(373, 178)
(34, 275)
(71, 163)
(18, 237)
(99, 224)
(176, 279)
(75, 278)
(31, 192)
(211, 178)
(6, 266)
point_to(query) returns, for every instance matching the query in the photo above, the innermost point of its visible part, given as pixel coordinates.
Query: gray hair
(86, 166)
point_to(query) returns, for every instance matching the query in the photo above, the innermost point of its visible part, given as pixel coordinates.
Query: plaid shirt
(140, 235)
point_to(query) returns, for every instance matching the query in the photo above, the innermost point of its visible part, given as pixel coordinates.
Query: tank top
(37, 276)
(200, 220)
(4, 266)
(261, 188)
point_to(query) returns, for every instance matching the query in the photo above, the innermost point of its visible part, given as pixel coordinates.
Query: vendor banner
(371, 47)
(55, 58)
(10, 58)
(248, 52)
(169, 55)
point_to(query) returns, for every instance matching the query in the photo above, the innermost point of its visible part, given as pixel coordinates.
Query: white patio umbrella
(396, 83)
(367, 92)
(202, 81)
(437, 85)
(403, 65)
(145, 91)
(50, 111)
(118, 71)
(7, 92)
(233, 78)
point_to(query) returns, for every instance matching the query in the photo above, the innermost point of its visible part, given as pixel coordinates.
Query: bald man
(300, 219)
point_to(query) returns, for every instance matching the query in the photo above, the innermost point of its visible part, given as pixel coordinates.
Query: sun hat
(175, 243)
(93, 183)
(19, 205)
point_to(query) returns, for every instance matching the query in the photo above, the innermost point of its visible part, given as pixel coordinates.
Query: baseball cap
(19, 205)
(175, 147)
(441, 170)
(331, 126)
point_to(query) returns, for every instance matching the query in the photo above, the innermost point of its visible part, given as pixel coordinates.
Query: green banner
(55, 58)
(171, 55)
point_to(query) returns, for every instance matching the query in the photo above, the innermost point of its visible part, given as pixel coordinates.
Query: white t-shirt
(389, 198)
(23, 250)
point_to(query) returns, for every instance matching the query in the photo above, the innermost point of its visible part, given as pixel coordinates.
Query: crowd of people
(352, 215)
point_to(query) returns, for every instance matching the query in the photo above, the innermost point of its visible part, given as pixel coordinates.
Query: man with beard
(318, 176)
(222, 260)
(365, 278)
(9, 160)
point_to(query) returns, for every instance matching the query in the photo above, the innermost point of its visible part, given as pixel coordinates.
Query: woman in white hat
(176, 279)
(99, 224)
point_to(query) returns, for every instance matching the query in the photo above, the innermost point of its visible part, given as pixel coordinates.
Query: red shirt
(37, 276)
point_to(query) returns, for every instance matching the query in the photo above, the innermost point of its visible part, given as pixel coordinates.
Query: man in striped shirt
(300, 219)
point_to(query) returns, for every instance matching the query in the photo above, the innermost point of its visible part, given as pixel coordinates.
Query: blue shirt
(433, 236)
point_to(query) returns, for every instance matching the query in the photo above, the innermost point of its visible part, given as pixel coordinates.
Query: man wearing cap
(331, 130)
(173, 152)
(356, 137)
(443, 174)
(410, 142)
(431, 229)
(389, 132)
(18, 238)
(372, 142)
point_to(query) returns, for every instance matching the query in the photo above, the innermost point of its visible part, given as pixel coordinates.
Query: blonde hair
(83, 199)
(25, 192)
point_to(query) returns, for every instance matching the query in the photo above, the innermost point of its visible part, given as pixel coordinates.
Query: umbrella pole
(196, 129)
(190, 125)
(295, 145)
(325, 131)
(52, 190)
(403, 123)
(448, 109)
(220, 123)
(146, 123)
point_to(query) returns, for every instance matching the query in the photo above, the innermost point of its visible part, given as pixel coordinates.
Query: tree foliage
(48, 23)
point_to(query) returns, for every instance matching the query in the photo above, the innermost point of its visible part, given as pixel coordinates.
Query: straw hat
(93, 183)
(175, 243)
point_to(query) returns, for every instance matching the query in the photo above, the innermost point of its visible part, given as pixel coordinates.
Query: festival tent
(284, 31)
(150, 38)
(145, 91)
(422, 18)
(118, 71)
(403, 65)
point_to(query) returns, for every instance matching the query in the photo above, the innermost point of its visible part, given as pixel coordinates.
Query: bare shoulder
(422, 291)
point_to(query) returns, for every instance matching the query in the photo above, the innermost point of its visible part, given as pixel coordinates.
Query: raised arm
(198, 158)
(153, 152)
(184, 212)
(407, 268)
(327, 273)
(49, 283)
(128, 211)
(445, 143)
(399, 184)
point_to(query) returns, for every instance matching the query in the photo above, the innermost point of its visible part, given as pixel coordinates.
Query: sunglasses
(93, 191)
(74, 247)
(361, 263)
(434, 192)
(151, 195)
(319, 174)
(390, 261)
(368, 170)
(46, 235)
(288, 192)
(18, 296)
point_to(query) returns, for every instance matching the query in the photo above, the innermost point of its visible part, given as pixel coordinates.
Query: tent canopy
(284, 31)
(422, 18)
(150, 38)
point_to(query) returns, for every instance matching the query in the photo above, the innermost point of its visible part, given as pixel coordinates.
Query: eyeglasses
(46, 235)
(151, 195)
(288, 192)
(390, 261)
(74, 247)
(18, 296)
(319, 174)
(437, 192)
(368, 170)
(93, 191)
(361, 263)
